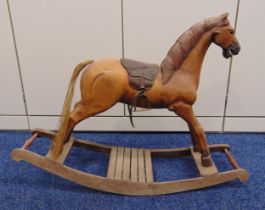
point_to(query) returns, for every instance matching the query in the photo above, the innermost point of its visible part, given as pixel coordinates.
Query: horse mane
(186, 42)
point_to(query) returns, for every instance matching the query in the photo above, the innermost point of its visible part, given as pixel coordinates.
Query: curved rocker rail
(130, 170)
(126, 187)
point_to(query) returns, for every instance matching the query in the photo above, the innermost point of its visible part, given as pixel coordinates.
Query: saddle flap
(140, 74)
(141, 77)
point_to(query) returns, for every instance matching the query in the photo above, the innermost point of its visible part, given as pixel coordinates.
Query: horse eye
(231, 32)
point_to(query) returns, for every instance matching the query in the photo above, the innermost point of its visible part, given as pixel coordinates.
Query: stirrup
(132, 107)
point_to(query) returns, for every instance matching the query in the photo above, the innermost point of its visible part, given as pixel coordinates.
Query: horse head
(224, 36)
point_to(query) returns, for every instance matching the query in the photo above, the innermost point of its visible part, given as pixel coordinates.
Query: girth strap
(132, 106)
(141, 77)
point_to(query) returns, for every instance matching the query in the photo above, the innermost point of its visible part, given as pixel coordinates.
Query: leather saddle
(141, 75)
(141, 78)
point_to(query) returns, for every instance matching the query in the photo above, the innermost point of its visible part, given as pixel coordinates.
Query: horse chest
(179, 90)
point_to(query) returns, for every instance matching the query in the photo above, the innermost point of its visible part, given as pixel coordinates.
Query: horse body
(105, 82)
(107, 78)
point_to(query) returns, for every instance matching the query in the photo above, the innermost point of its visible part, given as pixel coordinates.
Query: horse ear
(224, 16)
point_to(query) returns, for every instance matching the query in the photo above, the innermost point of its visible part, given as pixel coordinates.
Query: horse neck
(194, 60)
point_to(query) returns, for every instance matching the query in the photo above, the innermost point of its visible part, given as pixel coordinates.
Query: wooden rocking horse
(172, 85)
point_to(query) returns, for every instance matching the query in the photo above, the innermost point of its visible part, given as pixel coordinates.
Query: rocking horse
(172, 85)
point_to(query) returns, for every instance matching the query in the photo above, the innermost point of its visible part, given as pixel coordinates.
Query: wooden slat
(119, 163)
(148, 167)
(112, 163)
(126, 164)
(141, 169)
(204, 171)
(134, 165)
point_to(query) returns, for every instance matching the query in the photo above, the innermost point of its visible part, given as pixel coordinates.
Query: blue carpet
(23, 186)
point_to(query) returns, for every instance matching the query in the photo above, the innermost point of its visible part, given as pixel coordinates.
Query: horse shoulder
(181, 87)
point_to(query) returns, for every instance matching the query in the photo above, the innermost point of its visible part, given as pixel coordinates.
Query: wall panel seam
(122, 42)
(230, 71)
(18, 63)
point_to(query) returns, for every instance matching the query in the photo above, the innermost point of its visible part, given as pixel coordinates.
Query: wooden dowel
(44, 133)
(29, 142)
(231, 159)
(92, 146)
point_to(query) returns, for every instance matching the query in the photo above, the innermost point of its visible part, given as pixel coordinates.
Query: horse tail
(60, 135)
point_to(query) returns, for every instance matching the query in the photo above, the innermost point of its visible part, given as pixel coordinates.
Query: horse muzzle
(231, 50)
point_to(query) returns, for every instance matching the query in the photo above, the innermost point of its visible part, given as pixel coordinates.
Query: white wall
(51, 37)
(246, 101)
(12, 112)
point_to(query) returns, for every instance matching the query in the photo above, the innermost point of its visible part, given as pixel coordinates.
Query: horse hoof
(196, 148)
(206, 161)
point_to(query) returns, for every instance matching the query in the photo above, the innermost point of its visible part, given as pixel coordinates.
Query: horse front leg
(194, 139)
(185, 111)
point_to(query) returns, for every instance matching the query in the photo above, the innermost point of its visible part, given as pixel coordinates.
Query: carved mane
(186, 42)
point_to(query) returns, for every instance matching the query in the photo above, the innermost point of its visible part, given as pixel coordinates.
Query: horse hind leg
(81, 112)
(103, 94)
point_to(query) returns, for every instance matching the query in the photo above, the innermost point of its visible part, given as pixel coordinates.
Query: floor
(23, 186)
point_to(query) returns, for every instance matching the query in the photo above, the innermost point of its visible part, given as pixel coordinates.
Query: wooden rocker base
(130, 170)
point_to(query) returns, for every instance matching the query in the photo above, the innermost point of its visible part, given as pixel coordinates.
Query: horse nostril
(233, 50)
(238, 48)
